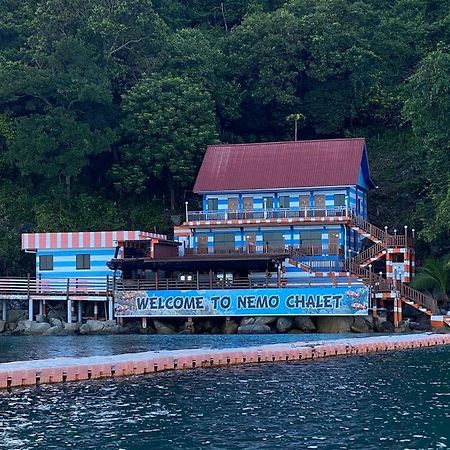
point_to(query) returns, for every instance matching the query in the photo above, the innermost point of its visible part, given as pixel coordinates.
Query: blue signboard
(309, 301)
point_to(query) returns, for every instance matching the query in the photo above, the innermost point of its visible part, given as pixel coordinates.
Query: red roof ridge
(286, 142)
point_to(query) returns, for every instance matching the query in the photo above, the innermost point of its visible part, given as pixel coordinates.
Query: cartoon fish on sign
(353, 294)
(358, 305)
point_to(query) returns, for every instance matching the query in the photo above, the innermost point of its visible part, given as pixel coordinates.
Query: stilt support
(69, 310)
(110, 309)
(80, 311)
(30, 309)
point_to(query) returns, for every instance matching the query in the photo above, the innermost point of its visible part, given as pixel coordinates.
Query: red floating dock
(29, 373)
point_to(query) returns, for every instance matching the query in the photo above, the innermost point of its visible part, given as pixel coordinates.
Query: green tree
(427, 107)
(169, 121)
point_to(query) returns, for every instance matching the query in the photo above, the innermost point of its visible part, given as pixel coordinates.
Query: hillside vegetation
(106, 106)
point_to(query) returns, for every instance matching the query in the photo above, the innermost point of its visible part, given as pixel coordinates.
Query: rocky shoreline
(54, 325)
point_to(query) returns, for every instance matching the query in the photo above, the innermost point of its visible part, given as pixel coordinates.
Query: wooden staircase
(378, 235)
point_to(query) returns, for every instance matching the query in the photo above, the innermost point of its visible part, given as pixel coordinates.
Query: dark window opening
(339, 199)
(213, 204)
(284, 201)
(268, 202)
(83, 261)
(224, 242)
(46, 262)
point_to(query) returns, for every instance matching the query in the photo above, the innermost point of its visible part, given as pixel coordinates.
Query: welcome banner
(309, 301)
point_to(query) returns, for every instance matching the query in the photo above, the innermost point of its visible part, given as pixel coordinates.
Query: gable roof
(278, 165)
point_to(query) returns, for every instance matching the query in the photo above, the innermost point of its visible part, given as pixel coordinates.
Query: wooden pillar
(41, 309)
(144, 322)
(389, 267)
(95, 311)
(44, 307)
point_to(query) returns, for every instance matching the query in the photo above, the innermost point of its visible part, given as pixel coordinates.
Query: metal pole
(4, 310)
(186, 210)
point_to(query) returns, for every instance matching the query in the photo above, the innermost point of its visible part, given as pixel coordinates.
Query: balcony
(301, 250)
(268, 215)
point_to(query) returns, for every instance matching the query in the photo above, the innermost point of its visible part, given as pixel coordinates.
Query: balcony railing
(302, 250)
(288, 213)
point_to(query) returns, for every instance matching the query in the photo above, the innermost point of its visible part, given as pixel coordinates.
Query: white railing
(288, 213)
(48, 287)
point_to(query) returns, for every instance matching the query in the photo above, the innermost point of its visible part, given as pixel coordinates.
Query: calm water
(397, 400)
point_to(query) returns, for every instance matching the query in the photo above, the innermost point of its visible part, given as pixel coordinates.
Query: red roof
(275, 165)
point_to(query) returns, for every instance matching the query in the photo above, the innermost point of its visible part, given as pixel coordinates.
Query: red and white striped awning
(83, 239)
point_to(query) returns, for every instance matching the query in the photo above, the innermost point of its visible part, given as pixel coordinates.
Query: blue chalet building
(282, 196)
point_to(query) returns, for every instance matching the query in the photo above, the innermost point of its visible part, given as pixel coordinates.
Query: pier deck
(32, 373)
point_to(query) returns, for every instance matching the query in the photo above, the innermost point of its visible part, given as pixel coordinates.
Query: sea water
(393, 400)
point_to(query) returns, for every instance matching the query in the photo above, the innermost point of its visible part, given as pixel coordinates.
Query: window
(46, 262)
(212, 204)
(273, 240)
(268, 202)
(304, 201)
(284, 201)
(339, 199)
(248, 203)
(83, 261)
(311, 241)
(224, 243)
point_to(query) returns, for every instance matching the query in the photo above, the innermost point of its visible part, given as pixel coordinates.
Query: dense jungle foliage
(106, 106)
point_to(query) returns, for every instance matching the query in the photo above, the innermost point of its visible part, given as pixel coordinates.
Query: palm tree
(296, 117)
(434, 275)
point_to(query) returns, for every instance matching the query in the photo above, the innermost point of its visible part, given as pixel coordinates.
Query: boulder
(57, 313)
(163, 328)
(421, 323)
(247, 320)
(230, 327)
(305, 323)
(71, 327)
(37, 328)
(284, 324)
(402, 327)
(55, 331)
(95, 326)
(386, 327)
(84, 329)
(22, 326)
(55, 322)
(254, 328)
(2, 325)
(14, 315)
(335, 324)
(360, 325)
(40, 318)
(266, 320)
(188, 327)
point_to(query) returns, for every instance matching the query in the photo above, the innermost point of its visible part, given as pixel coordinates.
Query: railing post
(68, 302)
